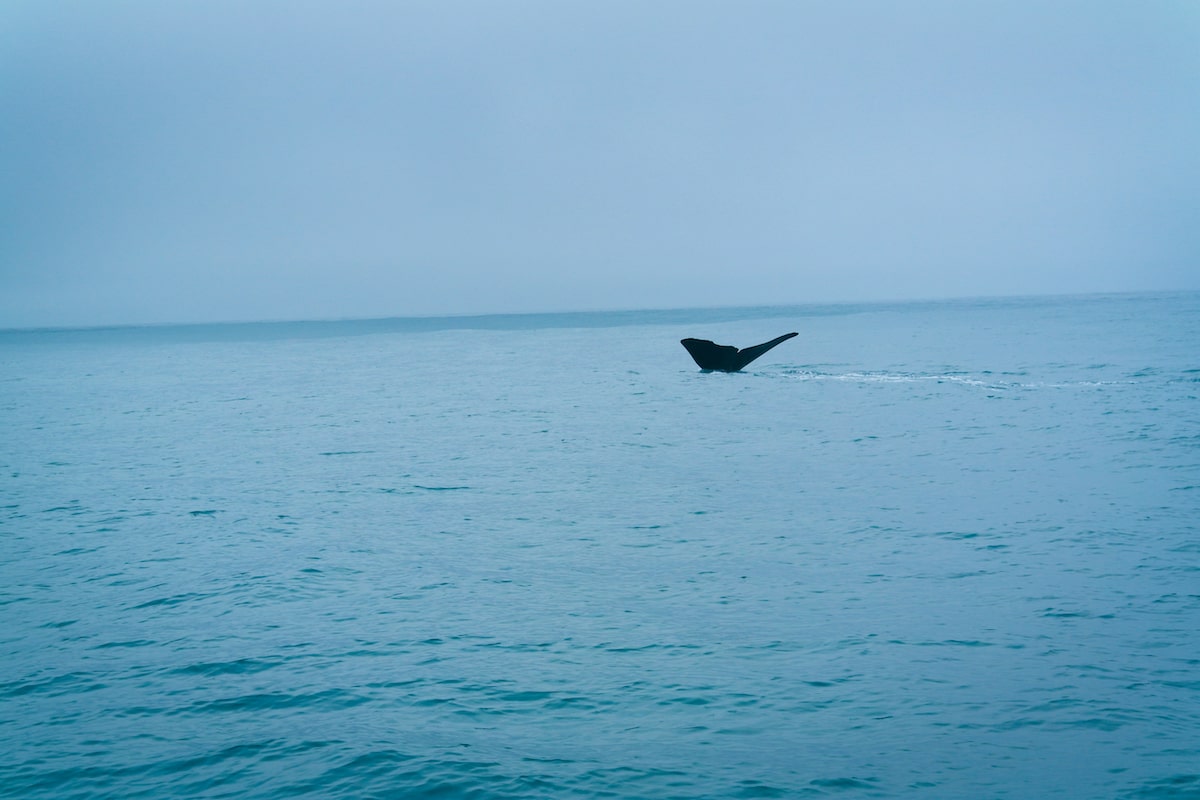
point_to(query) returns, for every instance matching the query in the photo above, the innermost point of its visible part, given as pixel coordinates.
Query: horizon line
(578, 312)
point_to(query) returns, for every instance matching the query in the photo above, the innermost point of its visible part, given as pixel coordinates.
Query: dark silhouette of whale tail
(726, 358)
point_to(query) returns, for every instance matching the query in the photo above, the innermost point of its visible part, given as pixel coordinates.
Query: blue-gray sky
(234, 160)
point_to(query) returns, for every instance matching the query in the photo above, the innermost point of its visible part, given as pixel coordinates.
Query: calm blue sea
(937, 550)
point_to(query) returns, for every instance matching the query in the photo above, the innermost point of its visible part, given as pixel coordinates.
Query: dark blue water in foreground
(941, 550)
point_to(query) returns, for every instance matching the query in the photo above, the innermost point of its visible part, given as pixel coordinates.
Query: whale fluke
(724, 357)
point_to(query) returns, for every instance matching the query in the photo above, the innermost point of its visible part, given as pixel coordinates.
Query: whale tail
(726, 358)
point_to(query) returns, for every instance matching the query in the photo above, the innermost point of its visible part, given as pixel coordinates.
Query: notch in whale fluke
(724, 357)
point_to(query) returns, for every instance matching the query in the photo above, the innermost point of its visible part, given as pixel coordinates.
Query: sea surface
(934, 550)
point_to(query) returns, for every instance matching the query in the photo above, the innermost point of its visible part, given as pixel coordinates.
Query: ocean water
(939, 550)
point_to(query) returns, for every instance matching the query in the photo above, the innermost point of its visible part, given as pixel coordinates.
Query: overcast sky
(241, 160)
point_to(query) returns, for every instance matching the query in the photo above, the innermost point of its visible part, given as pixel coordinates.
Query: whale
(710, 356)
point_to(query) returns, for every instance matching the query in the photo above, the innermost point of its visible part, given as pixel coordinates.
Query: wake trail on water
(953, 378)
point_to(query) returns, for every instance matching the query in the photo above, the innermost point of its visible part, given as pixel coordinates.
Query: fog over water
(228, 161)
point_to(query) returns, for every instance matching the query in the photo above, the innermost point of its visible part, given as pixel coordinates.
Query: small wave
(241, 666)
(846, 783)
(173, 600)
(1061, 613)
(69, 683)
(1177, 787)
(131, 643)
(71, 507)
(750, 788)
(276, 701)
(948, 643)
